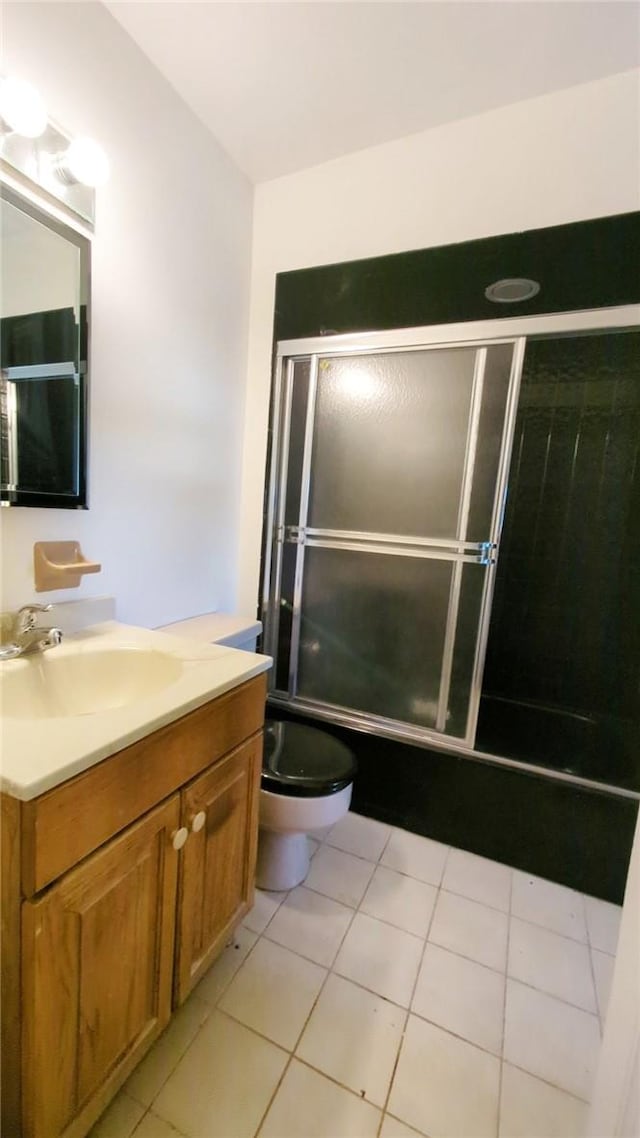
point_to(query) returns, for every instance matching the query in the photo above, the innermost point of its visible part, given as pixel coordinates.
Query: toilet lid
(303, 761)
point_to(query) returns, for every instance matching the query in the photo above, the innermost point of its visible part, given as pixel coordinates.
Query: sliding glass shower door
(389, 480)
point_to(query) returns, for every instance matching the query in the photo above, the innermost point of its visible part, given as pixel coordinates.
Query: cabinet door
(219, 858)
(97, 958)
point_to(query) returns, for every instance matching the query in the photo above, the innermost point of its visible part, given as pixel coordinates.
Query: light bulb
(22, 108)
(86, 162)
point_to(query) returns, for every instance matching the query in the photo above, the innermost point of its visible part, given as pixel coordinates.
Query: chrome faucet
(27, 636)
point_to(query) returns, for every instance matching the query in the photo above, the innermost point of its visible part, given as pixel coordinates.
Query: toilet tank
(218, 628)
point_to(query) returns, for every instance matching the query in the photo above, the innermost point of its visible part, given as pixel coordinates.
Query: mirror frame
(77, 501)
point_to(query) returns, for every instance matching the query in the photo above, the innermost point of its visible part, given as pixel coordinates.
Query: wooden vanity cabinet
(218, 861)
(95, 960)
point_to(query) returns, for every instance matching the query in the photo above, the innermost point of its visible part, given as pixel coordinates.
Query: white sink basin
(50, 685)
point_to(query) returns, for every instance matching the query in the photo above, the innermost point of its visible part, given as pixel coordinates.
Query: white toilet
(307, 779)
(307, 775)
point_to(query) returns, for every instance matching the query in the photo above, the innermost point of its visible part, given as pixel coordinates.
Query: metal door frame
(480, 335)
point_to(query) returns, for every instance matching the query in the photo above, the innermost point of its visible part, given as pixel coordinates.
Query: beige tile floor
(407, 988)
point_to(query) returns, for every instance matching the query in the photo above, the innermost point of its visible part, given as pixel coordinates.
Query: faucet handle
(26, 616)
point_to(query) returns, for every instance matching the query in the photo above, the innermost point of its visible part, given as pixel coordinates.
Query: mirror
(43, 357)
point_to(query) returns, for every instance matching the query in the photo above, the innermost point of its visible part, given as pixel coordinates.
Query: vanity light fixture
(83, 161)
(38, 149)
(22, 108)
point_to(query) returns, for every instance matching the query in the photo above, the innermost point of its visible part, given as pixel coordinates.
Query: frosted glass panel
(472, 589)
(389, 442)
(285, 616)
(495, 390)
(372, 632)
(299, 400)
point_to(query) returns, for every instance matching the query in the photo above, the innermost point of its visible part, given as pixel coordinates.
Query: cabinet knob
(179, 837)
(198, 821)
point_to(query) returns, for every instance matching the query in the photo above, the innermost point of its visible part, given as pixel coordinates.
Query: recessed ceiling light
(511, 290)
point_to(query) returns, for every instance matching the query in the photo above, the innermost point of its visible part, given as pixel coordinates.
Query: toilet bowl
(307, 775)
(307, 779)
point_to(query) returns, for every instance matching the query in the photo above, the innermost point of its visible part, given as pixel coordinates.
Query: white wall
(560, 158)
(170, 271)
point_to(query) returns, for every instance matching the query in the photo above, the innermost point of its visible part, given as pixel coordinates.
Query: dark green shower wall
(563, 662)
(586, 264)
(568, 583)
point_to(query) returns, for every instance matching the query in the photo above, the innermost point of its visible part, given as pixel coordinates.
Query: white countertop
(39, 753)
(216, 627)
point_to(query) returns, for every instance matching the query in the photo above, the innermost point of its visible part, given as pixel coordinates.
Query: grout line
(149, 1111)
(340, 975)
(331, 972)
(246, 956)
(552, 996)
(548, 929)
(418, 1133)
(383, 851)
(361, 857)
(283, 897)
(355, 913)
(475, 901)
(411, 999)
(593, 972)
(456, 1035)
(284, 1069)
(303, 1029)
(336, 1082)
(360, 912)
(356, 907)
(444, 865)
(183, 1052)
(309, 959)
(336, 899)
(138, 1123)
(254, 1031)
(287, 1065)
(472, 959)
(547, 1082)
(348, 853)
(211, 1008)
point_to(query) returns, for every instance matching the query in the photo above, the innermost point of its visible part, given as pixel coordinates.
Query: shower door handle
(487, 553)
(294, 534)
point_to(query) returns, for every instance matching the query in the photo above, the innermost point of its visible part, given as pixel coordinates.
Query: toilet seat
(303, 762)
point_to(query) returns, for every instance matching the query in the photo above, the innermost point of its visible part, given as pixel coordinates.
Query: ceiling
(284, 86)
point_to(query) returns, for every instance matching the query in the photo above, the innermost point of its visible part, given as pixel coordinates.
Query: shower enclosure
(449, 555)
